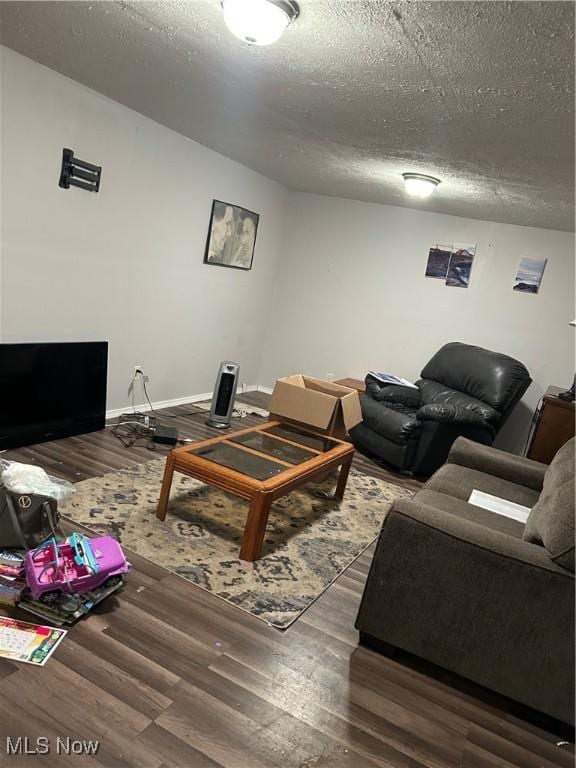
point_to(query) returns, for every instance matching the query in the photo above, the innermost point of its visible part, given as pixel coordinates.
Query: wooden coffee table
(259, 464)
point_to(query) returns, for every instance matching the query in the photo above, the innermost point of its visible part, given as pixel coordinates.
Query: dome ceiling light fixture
(259, 22)
(419, 185)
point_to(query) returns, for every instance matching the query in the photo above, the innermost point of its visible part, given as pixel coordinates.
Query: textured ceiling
(479, 94)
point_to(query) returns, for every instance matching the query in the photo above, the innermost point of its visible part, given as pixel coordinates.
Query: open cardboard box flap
(316, 409)
(319, 385)
(351, 409)
(320, 404)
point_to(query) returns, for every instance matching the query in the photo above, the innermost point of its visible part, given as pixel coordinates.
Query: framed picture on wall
(231, 236)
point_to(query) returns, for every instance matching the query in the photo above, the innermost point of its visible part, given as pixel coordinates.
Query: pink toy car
(78, 565)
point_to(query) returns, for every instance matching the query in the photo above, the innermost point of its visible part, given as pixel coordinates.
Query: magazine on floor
(30, 643)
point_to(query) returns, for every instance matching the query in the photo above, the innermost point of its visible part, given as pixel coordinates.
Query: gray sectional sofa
(477, 593)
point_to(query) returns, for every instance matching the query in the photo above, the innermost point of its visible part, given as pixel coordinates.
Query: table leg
(343, 478)
(166, 485)
(255, 527)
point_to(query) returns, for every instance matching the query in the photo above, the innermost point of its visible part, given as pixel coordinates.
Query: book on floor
(11, 559)
(11, 590)
(68, 608)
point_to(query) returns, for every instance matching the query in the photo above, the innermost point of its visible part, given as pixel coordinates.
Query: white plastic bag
(27, 478)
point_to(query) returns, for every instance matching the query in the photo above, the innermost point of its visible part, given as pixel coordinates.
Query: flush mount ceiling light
(419, 185)
(259, 22)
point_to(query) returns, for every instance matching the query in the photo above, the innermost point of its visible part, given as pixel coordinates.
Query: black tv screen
(51, 390)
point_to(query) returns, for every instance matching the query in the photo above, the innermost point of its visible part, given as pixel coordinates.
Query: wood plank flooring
(168, 676)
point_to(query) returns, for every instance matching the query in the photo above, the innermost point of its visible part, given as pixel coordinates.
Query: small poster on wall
(460, 265)
(438, 261)
(451, 263)
(231, 236)
(529, 275)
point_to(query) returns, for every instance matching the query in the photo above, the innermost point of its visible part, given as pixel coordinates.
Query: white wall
(337, 286)
(352, 296)
(125, 265)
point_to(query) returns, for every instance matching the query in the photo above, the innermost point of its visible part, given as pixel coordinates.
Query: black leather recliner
(464, 391)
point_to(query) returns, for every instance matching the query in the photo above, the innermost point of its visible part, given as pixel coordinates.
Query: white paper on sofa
(500, 506)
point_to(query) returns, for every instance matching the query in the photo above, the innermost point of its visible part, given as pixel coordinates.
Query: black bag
(27, 519)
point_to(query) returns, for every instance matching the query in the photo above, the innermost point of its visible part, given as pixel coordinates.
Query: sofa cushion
(397, 426)
(551, 522)
(463, 510)
(461, 481)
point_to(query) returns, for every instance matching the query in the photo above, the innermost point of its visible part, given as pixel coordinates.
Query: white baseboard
(186, 400)
(267, 390)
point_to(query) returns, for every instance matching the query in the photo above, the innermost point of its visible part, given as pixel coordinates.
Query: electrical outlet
(244, 387)
(329, 376)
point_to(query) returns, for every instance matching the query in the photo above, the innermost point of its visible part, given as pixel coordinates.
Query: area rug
(311, 537)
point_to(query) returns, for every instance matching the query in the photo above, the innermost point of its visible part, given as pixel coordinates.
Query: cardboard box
(321, 405)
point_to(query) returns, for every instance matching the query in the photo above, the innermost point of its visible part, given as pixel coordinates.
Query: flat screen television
(51, 390)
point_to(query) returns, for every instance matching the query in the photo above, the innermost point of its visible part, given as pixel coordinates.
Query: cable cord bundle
(135, 426)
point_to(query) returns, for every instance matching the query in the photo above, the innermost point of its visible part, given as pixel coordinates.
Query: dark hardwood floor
(168, 676)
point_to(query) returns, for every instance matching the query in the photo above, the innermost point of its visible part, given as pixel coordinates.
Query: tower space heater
(224, 395)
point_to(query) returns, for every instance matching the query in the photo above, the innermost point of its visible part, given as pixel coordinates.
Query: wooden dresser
(554, 426)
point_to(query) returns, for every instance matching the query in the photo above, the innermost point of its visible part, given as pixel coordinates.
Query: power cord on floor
(135, 426)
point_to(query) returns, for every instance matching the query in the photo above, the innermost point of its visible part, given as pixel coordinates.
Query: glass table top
(265, 453)
(251, 464)
(274, 448)
(317, 442)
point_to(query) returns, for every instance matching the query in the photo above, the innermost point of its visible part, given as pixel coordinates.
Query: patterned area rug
(311, 537)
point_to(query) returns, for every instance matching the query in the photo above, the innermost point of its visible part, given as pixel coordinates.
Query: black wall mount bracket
(79, 173)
